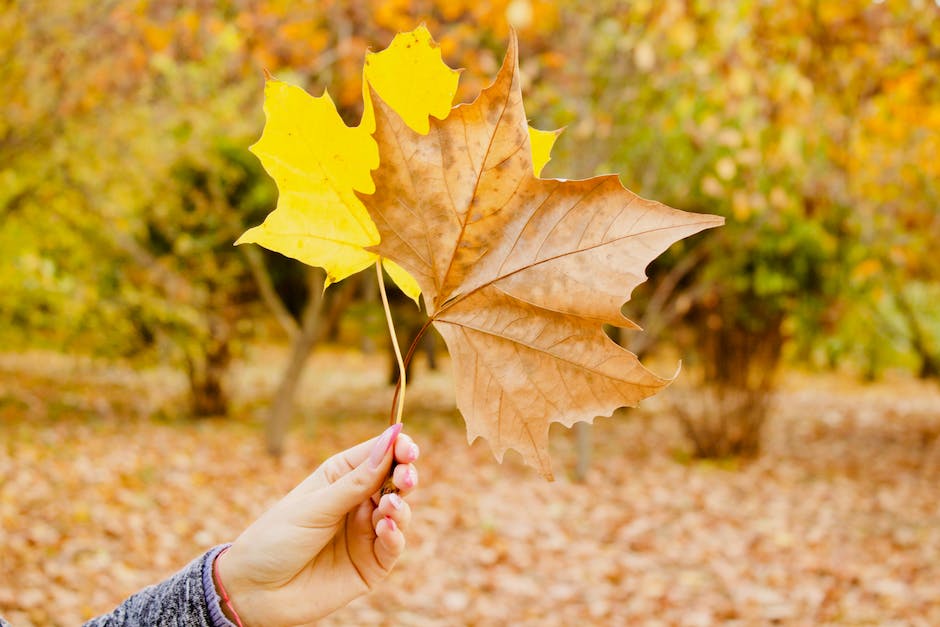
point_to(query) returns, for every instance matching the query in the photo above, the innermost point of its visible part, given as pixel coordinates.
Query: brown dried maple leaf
(519, 274)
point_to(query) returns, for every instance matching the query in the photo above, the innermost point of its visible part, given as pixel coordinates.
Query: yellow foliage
(412, 78)
(542, 143)
(319, 163)
(402, 279)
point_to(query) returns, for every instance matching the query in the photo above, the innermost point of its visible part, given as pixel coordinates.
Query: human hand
(330, 540)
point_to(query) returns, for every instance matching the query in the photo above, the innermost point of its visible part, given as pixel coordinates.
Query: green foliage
(121, 200)
(813, 127)
(753, 111)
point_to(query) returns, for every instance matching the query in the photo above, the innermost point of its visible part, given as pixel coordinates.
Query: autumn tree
(810, 126)
(763, 114)
(123, 169)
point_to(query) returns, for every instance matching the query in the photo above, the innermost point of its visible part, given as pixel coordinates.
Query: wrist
(226, 602)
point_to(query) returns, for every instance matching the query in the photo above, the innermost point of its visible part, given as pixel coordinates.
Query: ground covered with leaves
(103, 490)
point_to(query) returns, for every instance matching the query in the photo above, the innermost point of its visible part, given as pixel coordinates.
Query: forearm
(187, 599)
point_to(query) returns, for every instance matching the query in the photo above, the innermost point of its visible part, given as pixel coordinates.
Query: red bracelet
(218, 582)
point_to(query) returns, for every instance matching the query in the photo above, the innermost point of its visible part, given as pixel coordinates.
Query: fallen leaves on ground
(838, 523)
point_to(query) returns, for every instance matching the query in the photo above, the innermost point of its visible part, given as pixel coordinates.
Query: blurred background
(159, 387)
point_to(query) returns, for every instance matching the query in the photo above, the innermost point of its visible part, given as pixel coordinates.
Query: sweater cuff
(208, 588)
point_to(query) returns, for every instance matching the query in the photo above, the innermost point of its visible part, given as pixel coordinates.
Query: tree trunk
(312, 328)
(739, 366)
(920, 342)
(206, 372)
(303, 342)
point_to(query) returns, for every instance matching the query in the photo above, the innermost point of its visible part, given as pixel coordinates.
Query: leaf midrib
(481, 170)
(460, 297)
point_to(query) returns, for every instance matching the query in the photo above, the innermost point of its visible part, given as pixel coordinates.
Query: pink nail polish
(383, 444)
(413, 451)
(395, 500)
(411, 478)
(391, 523)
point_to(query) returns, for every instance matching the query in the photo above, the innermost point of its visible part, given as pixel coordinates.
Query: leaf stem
(414, 343)
(398, 401)
(411, 351)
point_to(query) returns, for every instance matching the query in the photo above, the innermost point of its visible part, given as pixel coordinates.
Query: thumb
(359, 484)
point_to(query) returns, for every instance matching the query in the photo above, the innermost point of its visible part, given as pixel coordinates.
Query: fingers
(334, 468)
(376, 538)
(405, 477)
(389, 543)
(346, 461)
(357, 485)
(394, 507)
(376, 542)
(406, 451)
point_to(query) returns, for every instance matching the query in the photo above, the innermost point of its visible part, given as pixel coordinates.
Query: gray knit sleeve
(187, 599)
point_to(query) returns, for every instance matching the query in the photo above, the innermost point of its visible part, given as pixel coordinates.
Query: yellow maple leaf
(541, 143)
(411, 77)
(318, 162)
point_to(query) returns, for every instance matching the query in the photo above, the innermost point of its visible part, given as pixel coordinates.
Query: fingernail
(413, 451)
(395, 500)
(411, 478)
(391, 523)
(383, 444)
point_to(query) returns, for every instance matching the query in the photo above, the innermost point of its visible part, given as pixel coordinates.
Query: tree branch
(268, 294)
